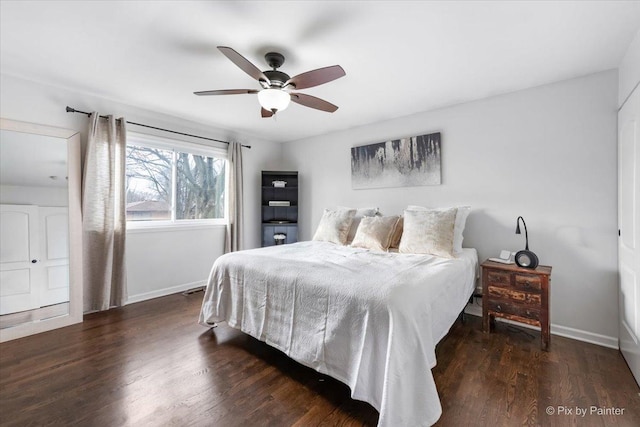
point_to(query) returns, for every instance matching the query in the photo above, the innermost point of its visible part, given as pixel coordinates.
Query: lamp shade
(274, 99)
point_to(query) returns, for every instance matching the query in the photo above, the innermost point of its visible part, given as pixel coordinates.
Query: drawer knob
(527, 284)
(498, 308)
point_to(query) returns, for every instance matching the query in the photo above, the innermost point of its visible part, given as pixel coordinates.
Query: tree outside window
(172, 185)
(199, 187)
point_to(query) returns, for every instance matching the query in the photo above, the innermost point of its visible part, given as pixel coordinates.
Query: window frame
(175, 145)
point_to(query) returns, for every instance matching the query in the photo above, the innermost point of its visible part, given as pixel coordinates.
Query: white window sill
(134, 228)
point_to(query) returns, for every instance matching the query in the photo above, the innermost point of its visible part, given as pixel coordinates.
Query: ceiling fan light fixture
(274, 99)
(277, 86)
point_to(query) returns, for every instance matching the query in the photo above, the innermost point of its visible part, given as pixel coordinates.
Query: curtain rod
(73, 110)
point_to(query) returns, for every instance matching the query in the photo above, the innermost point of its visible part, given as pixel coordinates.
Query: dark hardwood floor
(150, 364)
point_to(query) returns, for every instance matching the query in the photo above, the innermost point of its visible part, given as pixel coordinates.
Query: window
(173, 182)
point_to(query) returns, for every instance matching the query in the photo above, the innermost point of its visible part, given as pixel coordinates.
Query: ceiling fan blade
(225, 92)
(316, 77)
(266, 113)
(313, 102)
(244, 64)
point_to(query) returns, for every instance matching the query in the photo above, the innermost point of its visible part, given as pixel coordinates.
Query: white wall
(547, 153)
(28, 195)
(629, 70)
(158, 262)
(200, 246)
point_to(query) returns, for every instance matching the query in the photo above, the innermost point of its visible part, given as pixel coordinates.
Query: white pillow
(334, 226)
(360, 213)
(429, 232)
(375, 232)
(461, 221)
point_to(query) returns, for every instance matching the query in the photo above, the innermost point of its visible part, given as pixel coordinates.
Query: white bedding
(369, 319)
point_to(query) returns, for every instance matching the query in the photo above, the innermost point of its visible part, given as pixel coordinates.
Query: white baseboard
(165, 291)
(562, 331)
(586, 336)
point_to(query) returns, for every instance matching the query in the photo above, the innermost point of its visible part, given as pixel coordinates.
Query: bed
(369, 319)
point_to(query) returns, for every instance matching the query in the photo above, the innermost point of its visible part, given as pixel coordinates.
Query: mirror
(40, 229)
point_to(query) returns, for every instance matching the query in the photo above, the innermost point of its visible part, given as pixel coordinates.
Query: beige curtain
(233, 241)
(103, 212)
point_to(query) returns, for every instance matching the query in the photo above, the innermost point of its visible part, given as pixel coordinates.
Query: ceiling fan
(277, 87)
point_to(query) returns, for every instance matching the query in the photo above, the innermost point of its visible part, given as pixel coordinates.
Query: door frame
(75, 231)
(629, 276)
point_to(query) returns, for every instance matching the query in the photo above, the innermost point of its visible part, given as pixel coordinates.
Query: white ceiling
(400, 57)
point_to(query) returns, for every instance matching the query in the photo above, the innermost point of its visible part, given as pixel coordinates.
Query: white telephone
(506, 257)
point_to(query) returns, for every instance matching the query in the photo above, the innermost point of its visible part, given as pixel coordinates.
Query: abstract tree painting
(404, 162)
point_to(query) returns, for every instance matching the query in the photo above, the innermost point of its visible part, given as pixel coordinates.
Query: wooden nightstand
(518, 294)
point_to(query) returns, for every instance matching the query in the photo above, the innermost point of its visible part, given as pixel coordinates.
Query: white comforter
(368, 319)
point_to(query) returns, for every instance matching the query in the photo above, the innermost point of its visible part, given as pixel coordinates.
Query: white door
(54, 254)
(629, 230)
(20, 274)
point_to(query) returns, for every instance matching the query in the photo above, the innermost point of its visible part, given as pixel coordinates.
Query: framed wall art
(404, 162)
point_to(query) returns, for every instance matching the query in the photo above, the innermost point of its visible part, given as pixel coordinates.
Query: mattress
(369, 319)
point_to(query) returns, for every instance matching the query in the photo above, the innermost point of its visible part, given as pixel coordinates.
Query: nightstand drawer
(516, 296)
(513, 309)
(529, 283)
(499, 278)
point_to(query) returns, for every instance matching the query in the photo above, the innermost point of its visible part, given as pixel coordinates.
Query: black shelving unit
(279, 220)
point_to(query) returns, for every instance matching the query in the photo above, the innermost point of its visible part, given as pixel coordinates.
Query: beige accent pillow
(374, 232)
(360, 213)
(458, 228)
(397, 234)
(334, 226)
(429, 232)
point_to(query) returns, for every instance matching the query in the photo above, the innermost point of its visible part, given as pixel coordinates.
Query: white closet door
(629, 226)
(20, 274)
(54, 254)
